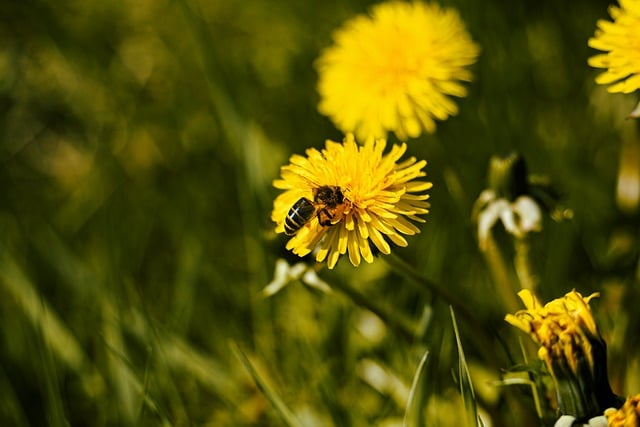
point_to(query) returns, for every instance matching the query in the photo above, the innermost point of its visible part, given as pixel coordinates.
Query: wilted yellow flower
(627, 416)
(563, 327)
(395, 70)
(572, 349)
(621, 40)
(345, 196)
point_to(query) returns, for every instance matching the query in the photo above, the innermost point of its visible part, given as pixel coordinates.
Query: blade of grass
(414, 413)
(126, 382)
(466, 387)
(58, 338)
(121, 375)
(179, 354)
(526, 382)
(11, 410)
(383, 379)
(287, 416)
(55, 411)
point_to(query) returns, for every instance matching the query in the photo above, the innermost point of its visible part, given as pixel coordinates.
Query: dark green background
(138, 143)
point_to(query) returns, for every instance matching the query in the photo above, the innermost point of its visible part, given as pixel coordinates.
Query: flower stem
(483, 336)
(401, 266)
(500, 274)
(395, 320)
(522, 263)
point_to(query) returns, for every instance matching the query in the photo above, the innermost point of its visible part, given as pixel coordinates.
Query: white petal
(508, 219)
(283, 275)
(529, 214)
(600, 421)
(487, 219)
(312, 279)
(565, 421)
(280, 279)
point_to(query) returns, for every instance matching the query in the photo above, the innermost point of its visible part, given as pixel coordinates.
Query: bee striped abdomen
(301, 212)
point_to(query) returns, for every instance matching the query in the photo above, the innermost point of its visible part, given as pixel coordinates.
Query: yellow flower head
(627, 415)
(564, 328)
(621, 40)
(346, 196)
(573, 351)
(395, 70)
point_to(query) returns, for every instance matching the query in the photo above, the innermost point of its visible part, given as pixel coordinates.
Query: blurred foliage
(139, 140)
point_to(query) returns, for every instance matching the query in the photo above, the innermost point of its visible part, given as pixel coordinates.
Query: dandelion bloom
(620, 40)
(563, 327)
(379, 199)
(395, 70)
(627, 415)
(572, 349)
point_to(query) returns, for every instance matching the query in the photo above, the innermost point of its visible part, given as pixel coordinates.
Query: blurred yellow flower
(621, 40)
(344, 197)
(627, 415)
(395, 70)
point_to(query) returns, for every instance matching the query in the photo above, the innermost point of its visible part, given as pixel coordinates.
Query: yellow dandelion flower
(621, 40)
(395, 70)
(572, 349)
(345, 196)
(563, 327)
(627, 415)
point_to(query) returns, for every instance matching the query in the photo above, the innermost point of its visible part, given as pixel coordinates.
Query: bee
(328, 202)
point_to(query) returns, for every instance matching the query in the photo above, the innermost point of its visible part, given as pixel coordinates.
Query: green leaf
(466, 387)
(267, 389)
(414, 413)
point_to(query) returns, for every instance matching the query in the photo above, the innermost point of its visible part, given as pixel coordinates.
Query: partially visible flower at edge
(627, 415)
(572, 349)
(395, 70)
(620, 40)
(381, 198)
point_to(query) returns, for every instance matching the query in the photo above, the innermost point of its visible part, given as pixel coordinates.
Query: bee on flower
(345, 197)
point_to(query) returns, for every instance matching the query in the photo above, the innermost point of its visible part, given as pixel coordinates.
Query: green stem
(392, 318)
(483, 338)
(500, 274)
(422, 283)
(522, 263)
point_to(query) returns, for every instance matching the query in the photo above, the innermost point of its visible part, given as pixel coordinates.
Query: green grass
(139, 143)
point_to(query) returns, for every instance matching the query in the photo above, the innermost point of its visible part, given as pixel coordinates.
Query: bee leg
(324, 217)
